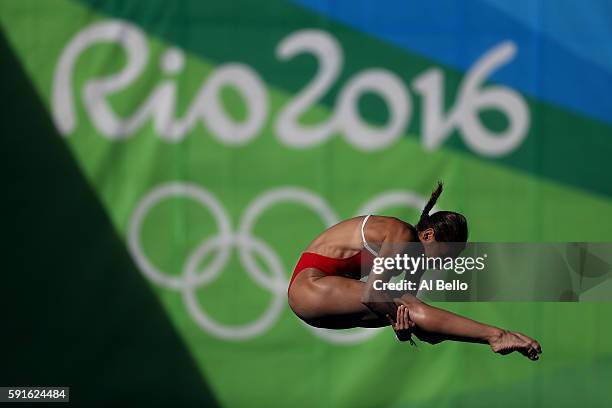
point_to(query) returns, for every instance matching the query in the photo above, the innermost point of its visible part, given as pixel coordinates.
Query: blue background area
(564, 49)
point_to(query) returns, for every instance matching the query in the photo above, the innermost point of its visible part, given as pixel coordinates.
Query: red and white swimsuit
(349, 267)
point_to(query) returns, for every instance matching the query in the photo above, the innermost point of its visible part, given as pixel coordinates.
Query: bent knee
(307, 301)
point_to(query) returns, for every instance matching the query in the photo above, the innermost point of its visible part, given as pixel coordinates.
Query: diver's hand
(402, 325)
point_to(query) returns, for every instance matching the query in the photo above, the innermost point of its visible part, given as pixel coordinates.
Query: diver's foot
(506, 342)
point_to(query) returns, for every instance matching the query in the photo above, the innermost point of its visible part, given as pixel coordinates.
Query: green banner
(167, 163)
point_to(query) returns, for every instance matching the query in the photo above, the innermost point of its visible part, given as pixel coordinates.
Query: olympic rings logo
(277, 277)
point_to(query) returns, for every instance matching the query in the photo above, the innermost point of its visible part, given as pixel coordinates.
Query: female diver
(325, 290)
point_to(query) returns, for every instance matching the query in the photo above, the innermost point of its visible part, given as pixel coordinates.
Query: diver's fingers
(400, 317)
(406, 318)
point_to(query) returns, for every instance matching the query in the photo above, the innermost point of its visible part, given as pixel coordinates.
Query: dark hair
(448, 226)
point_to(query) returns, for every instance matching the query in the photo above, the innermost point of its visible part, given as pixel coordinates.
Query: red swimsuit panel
(349, 267)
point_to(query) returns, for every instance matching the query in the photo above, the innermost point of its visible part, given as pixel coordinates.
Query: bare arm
(379, 301)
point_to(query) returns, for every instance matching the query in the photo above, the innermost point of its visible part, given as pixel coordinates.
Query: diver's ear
(427, 235)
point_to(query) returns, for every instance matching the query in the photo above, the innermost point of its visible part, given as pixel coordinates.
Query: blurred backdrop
(165, 163)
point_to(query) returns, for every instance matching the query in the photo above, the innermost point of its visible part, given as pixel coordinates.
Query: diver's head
(443, 233)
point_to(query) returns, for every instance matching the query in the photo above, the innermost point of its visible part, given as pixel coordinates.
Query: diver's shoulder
(395, 227)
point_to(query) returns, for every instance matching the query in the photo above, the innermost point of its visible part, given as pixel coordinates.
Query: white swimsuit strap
(365, 243)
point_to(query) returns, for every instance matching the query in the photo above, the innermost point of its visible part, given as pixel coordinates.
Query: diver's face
(436, 249)
(443, 249)
(452, 249)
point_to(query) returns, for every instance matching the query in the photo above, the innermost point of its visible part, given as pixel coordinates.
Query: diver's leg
(336, 302)
(331, 301)
(434, 325)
